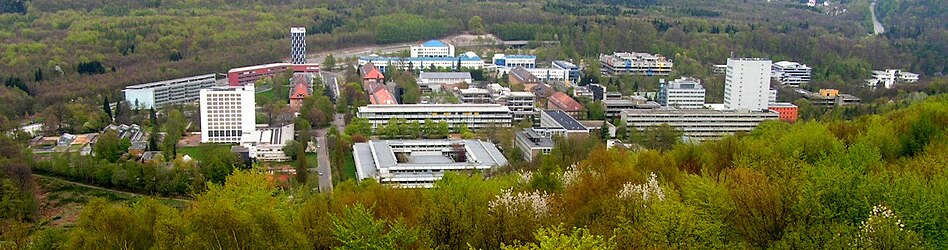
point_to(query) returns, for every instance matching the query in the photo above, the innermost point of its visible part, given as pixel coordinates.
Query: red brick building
(787, 111)
(249, 75)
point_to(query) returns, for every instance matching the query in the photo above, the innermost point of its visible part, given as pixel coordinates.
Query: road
(876, 25)
(322, 155)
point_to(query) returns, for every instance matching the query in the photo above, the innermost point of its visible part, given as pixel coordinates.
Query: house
(562, 101)
(300, 93)
(382, 96)
(371, 74)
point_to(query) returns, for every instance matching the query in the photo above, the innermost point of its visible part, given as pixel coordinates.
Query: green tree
(359, 126)
(329, 63)
(558, 237)
(110, 147)
(174, 128)
(356, 228)
(106, 107)
(662, 137)
(302, 167)
(476, 25)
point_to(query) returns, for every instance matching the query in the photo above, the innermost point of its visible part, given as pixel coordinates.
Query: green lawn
(350, 169)
(198, 153)
(264, 97)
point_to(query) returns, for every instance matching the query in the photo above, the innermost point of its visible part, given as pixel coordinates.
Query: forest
(56, 51)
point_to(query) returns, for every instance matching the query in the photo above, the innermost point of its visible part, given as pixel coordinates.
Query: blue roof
(434, 43)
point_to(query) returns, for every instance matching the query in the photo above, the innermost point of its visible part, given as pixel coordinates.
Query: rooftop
(267, 66)
(674, 111)
(789, 64)
(781, 105)
(536, 140)
(422, 160)
(270, 135)
(383, 97)
(565, 102)
(465, 107)
(448, 75)
(434, 43)
(565, 120)
(172, 81)
(565, 64)
(685, 83)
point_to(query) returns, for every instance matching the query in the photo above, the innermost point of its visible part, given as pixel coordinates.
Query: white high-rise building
(298, 45)
(791, 73)
(747, 85)
(684, 93)
(227, 113)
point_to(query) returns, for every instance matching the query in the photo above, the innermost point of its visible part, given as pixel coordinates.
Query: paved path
(107, 189)
(322, 154)
(876, 25)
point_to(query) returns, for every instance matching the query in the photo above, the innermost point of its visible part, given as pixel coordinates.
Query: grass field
(264, 97)
(199, 152)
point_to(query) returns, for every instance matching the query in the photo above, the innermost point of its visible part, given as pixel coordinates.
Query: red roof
(374, 74)
(300, 91)
(382, 96)
(565, 103)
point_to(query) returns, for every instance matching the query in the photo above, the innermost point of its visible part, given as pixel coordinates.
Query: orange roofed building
(383, 97)
(371, 74)
(300, 92)
(562, 101)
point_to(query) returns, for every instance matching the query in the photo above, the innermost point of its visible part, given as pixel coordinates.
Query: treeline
(876, 182)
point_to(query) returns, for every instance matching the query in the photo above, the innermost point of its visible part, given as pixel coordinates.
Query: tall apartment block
(298, 45)
(685, 93)
(170, 92)
(747, 85)
(227, 113)
(632, 63)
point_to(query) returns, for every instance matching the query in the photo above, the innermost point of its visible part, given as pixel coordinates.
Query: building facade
(475, 96)
(685, 93)
(747, 84)
(562, 101)
(632, 63)
(419, 163)
(227, 113)
(466, 60)
(249, 75)
(697, 124)
(170, 92)
(433, 81)
(532, 144)
(266, 143)
(791, 73)
(513, 61)
(572, 71)
(433, 48)
(475, 116)
(888, 78)
(787, 111)
(298, 45)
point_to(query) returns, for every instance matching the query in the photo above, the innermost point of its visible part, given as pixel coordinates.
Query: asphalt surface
(324, 170)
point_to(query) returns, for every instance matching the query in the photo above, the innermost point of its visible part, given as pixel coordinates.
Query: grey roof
(535, 140)
(565, 120)
(449, 75)
(376, 158)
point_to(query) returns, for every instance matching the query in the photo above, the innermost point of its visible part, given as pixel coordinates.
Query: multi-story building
(522, 104)
(888, 78)
(719, 69)
(266, 143)
(787, 111)
(598, 91)
(433, 81)
(559, 123)
(573, 74)
(747, 85)
(550, 75)
(583, 92)
(466, 60)
(562, 101)
(249, 75)
(532, 144)
(170, 92)
(475, 116)
(685, 93)
(632, 63)
(433, 48)
(520, 75)
(475, 96)
(419, 163)
(513, 61)
(828, 98)
(791, 73)
(382, 96)
(698, 124)
(614, 107)
(298, 45)
(227, 113)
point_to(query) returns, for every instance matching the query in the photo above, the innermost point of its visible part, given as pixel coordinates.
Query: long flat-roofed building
(419, 163)
(433, 81)
(559, 123)
(791, 73)
(433, 48)
(250, 74)
(698, 124)
(266, 143)
(513, 61)
(170, 92)
(475, 116)
(383, 63)
(632, 63)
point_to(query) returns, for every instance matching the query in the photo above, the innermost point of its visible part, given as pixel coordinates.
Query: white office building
(298, 45)
(533, 144)
(266, 143)
(684, 93)
(513, 61)
(522, 104)
(698, 124)
(227, 113)
(475, 116)
(170, 92)
(433, 48)
(791, 73)
(475, 96)
(433, 81)
(632, 63)
(419, 163)
(747, 85)
(467, 60)
(889, 77)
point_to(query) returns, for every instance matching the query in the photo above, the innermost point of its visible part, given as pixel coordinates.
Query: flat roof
(269, 65)
(375, 155)
(172, 81)
(535, 140)
(565, 120)
(671, 110)
(463, 107)
(450, 75)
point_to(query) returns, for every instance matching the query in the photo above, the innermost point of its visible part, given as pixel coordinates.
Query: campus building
(791, 73)
(572, 71)
(249, 75)
(227, 113)
(475, 116)
(787, 111)
(685, 93)
(266, 143)
(747, 84)
(559, 123)
(521, 103)
(433, 48)
(697, 124)
(419, 163)
(613, 107)
(828, 98)
(433, 81)
(562, 101)
(533, 144)
(170, 92)
(466, 60)
(513, 61)
(888, 78)
(298, 45)
(632, 63)
(475, 96)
